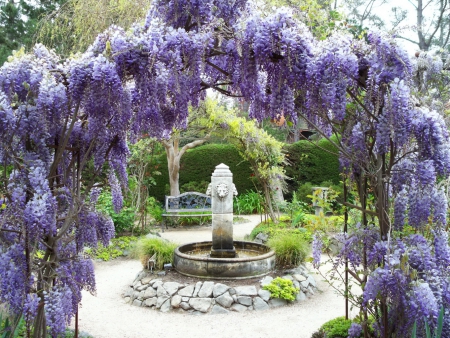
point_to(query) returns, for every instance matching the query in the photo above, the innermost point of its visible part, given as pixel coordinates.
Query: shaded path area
(107, 316)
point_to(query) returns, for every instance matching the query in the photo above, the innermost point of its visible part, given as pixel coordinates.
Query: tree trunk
(174, 175)
(174, 155)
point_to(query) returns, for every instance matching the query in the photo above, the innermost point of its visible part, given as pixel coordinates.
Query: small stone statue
(222, 190)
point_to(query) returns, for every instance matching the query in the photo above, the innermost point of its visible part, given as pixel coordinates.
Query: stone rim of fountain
(224, 268)
(231, 260)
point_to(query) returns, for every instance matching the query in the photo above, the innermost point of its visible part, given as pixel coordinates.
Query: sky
(383, 9)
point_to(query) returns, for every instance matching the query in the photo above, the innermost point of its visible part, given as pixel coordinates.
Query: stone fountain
(223, 258)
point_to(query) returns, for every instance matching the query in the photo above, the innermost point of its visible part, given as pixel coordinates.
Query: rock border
(147, 290)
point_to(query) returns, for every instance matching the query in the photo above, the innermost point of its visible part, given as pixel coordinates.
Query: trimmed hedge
(309, 163)
(198, 164)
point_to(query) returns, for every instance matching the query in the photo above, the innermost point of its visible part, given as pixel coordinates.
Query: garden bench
(188, 204)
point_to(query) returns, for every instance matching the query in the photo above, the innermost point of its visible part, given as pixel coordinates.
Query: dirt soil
(106, 315)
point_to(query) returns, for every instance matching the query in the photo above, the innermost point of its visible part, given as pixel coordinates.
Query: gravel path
(107, 316)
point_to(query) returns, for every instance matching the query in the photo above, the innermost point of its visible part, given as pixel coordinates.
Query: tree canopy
(57, 116)
(18, 20)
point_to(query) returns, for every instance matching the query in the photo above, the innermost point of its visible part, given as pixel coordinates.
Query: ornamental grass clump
(147, 247)
(290, 249)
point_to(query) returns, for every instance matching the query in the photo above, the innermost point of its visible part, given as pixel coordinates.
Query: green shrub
(303, 194)
(124, 220)
(248, 203)
(12, 328)
(197, 166)
(155, 209)
(282, 288)
(290, 249)
(311, 163)
(201, 186)
(284, 226)
(116, 248)
(337, 328)
(147, 247)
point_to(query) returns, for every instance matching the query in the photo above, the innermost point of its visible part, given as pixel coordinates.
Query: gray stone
(198, 285)
(234, 298)
(296, 284)
(310, 290)
(184, 299)
(126, 299)
(135, 295)
(165, 307)
(141, 287)
(128, 292)
(185, 306)
(300, 297)
(259, 304)
(160, 301)
(264, 294)
(171, 287)
(277, 302)
(219, 289)
(217, 309)
(146, 280)
(187, 291)
(141, 295)
(139, 276)
(157, 284)
(153, 281)
(222, 233)
(245, 300)
(232, 291)
(262, 237)
(161, 273)
(150, 292)
(197, 313)
(299, 277)
(238, 308)
(248, 290)
(206, 290)
(175, 301)
(311, 281)
(305, 283)
(266, 280)
(137, 284)
(137, 302)
(288, 277)
(161, 291)
(150, 301)
(200, 304)
(225, 300)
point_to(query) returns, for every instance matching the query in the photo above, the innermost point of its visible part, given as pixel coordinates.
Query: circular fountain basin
(253, 260)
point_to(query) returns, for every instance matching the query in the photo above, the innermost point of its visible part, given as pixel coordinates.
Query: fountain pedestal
(221, 189)
(218, 258)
